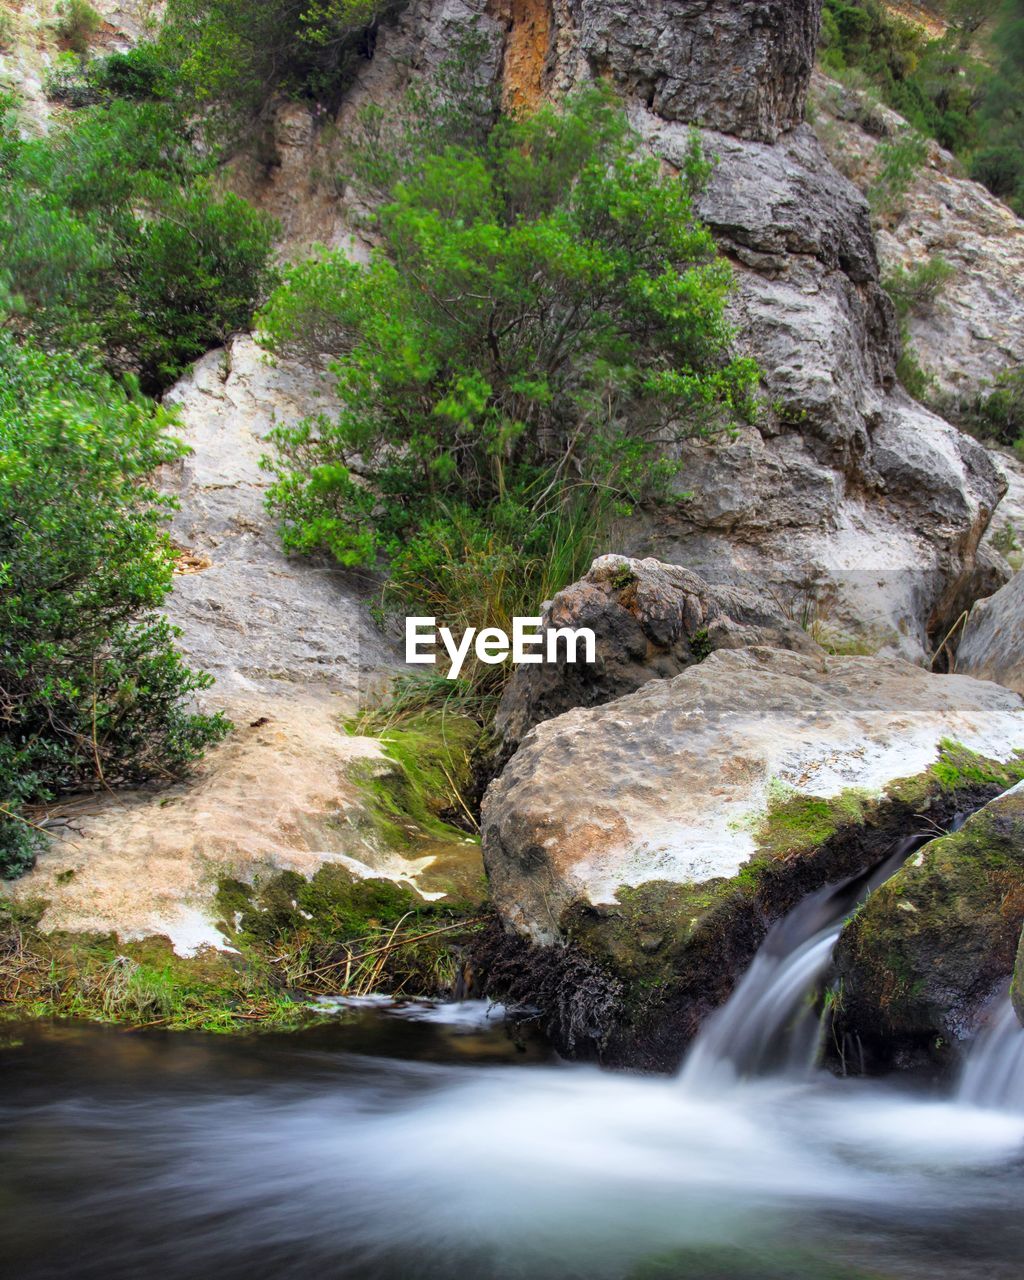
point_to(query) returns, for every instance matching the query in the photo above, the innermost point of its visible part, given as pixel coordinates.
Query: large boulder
(657, 837)
(918, 964)
(650, 621)
(992, 647)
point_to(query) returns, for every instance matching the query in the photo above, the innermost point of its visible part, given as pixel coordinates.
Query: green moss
(622, 578)
(796, 824)
(930, 945)
(958, 766)
(419, 790)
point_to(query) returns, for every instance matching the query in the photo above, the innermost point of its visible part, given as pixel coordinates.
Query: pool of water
(386, 1146)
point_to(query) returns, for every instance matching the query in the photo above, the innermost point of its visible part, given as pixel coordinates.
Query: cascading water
(771, 1023)
(994, 1072)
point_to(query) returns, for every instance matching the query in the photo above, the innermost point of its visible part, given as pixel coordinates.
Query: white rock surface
(670, 782)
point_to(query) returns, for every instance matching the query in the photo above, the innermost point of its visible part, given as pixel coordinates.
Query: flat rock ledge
(639, 851)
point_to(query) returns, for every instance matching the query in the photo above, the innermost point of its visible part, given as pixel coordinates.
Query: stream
(438, 1141)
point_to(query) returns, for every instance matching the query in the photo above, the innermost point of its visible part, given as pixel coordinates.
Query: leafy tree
(92, 689)
(114, 236)
(542, 325)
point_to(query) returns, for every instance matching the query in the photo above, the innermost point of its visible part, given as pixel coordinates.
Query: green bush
(237, 56)
(114, 236)
(543, 324)
(6, 31)
(900, 159)
(915, 291)
(77, 22)
(92, 689)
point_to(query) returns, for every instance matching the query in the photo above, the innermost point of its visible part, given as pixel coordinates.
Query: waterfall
(994, 1071)
(771, 1023)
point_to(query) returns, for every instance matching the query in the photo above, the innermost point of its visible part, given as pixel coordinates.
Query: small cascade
(993, 1074)
(771, 1024)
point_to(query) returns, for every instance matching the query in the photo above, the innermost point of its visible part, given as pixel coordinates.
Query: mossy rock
(663, 956)
(921, 959)
(1017, 988)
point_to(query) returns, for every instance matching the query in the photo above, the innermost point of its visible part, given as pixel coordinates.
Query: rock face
(992, 647)
(261, 622)
(742, 68)
(1017, 988)
(661, 834)
(850, 501)
(854, 505)
(650, 621)
(975, 328)
(929, 949)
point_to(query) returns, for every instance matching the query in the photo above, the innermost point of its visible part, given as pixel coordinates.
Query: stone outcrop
(849, 500)
(650, 621)
(1017, 987)
(927, 952)
(992, 647)
(661, 834)
(851, 503)
(262, 622)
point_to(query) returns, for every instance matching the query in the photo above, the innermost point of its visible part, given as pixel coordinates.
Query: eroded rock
(662, 834)
(650, 621)
(927, 952)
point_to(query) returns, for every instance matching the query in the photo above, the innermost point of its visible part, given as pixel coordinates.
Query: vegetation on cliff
(543, 322)
(964, 88)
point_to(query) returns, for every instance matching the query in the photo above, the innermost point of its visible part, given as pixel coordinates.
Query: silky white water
(129, 1157)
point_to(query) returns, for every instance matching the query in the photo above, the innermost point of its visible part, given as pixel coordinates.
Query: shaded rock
(650, 621)
(699, 809)
(992, 647)
(1006, 532)
(1017, 987)
(926, 953)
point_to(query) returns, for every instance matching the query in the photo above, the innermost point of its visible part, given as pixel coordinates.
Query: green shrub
(915, 291)
(899, 159)
(92, 689)
(964, 88)
(543, 324)
(237, 56)
(6, 31)
(114, 236)
(77, 22)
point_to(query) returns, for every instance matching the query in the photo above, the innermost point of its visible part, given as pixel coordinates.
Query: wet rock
(650, 621)
(701, 808)
(1017, 988)
(992, 647)
(921, 960)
